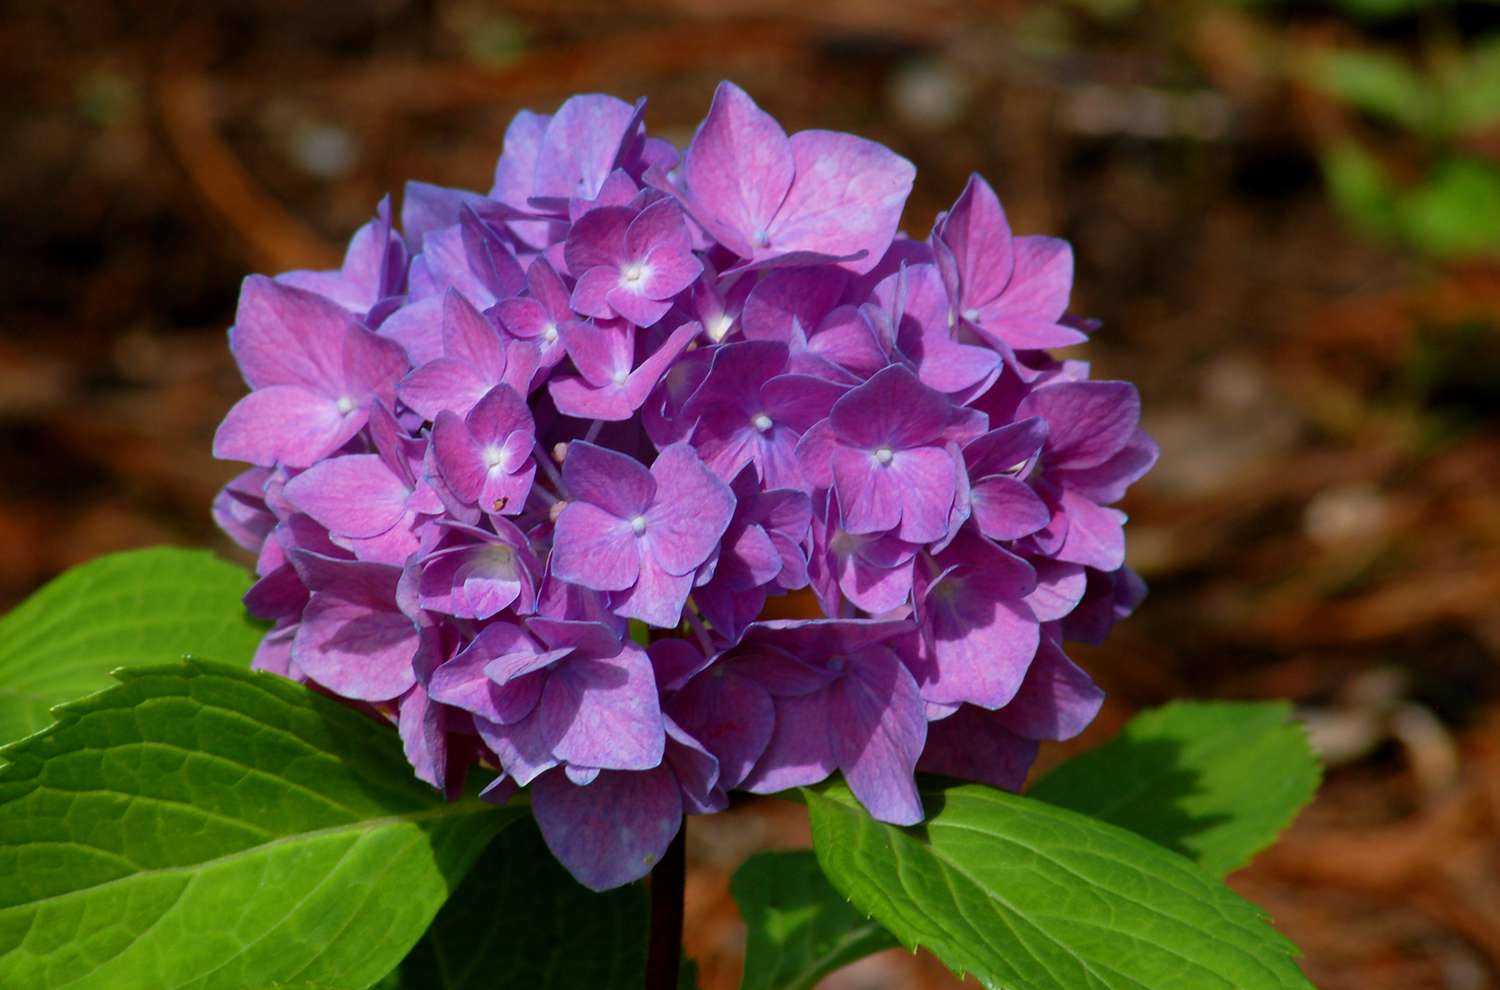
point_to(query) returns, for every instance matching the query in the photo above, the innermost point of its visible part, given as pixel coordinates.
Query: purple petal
(972, 744)
(978, 236)
(595, 548)
(845, 200)
(612, 831)
(354, 650)
(604, 713)
(1056, 701)
(730, 715)
(1007, 509)
(615, 482)
(1059, 588)
(799, 751)
(656, 597)
(691, 510)
(892, 409)
(928, 478)
(1096, 535)
(737, 170)
(1088, 421)
(355, 495)
(877, 726)
(285, 424)
(288, 336)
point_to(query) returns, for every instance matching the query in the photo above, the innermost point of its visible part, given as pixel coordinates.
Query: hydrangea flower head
(528, 469)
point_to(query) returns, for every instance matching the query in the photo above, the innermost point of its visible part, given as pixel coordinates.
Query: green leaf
(1215, 781)
(1456, 210)
(143, 606)
(1377, 83)
(1361, 189)
(202, 826)
(798, 928)
(520, 921)
(1028, 896)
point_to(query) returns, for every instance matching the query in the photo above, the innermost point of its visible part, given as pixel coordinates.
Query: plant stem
(664, 954)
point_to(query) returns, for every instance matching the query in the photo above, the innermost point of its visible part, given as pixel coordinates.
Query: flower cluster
(528, 471)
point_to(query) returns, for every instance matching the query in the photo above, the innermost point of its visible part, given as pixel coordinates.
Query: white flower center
(638, 525)
(345, 405)
(762, 239)
(884, 454)
(619, 376)
(761, 422)
(494, 458)
(549, 332)
(972, 315)
(632, 274)
(718, 327)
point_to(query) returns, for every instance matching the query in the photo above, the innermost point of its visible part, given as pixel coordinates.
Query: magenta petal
(877, 726)
(457, 457)
(285, 424)
(691, 510)
(1007, 509)
(594, 548)
(288, 336)
(1088, 421)
(604, 713)
(978, 235)
(634, 305)
(1059, 588)
(354, 495)
(591, 295)
(799, 751)
(423, 738)
(929, 480)
(612, 831)
(731, 716)
(656, 597)
(581, 144)
(1056, 701)
(870, 493)
(737, 169)
(1096, 535)
(615, 482)
(354, 650)
(891, 409)
(845, 200)
(446, 383)
(1042, 279)
(972, 744)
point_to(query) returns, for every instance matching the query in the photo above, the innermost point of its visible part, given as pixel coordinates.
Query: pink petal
(285, 424)
(354, 495)
(846, 199)
(737, 170)
(593, 548)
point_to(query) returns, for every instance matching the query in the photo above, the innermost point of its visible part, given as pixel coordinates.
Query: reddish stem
(664, 955)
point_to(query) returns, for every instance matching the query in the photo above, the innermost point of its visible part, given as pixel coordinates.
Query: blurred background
(1287, 214)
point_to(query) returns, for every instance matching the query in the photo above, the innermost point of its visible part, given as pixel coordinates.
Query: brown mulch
(1325, 522)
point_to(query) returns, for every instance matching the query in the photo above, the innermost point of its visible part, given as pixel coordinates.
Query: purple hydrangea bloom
(690, 391)
(630, 264)
(642, 534)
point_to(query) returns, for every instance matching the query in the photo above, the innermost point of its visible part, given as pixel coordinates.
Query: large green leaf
(202, 826)
(1215, 781)
(798, 928)
(142, 606)
(1028, 896)
(521, 922)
